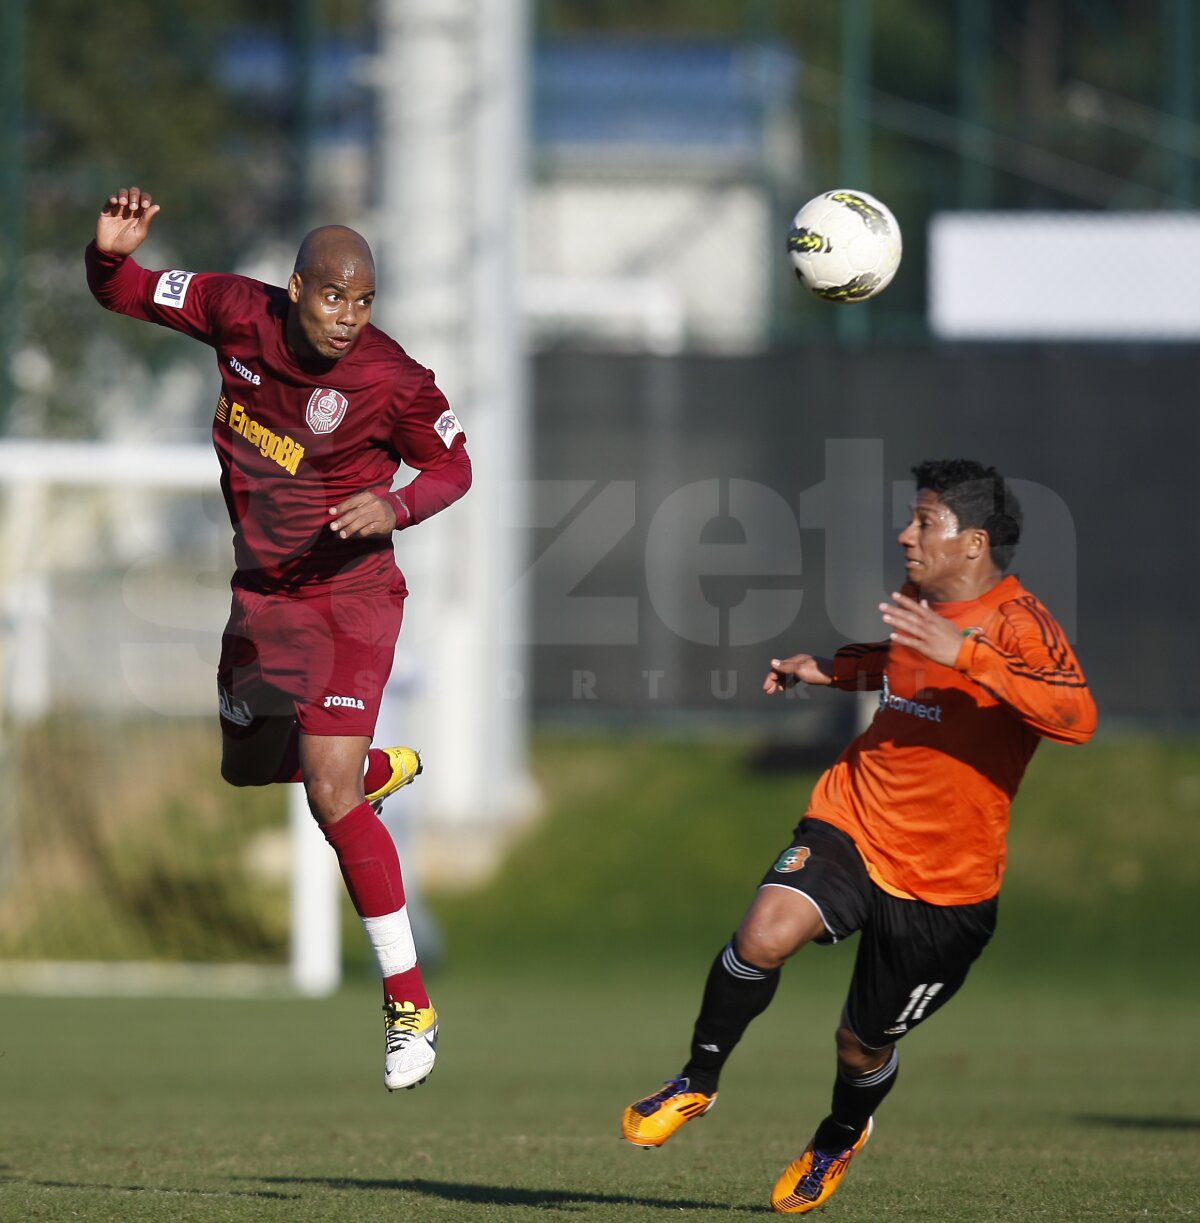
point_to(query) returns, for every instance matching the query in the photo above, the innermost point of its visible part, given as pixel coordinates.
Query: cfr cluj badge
(325, 410)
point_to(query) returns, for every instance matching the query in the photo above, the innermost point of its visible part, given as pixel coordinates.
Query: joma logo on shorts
(345, 702)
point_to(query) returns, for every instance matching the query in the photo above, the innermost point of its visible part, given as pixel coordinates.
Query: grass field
(1019, 1107)
(1061, 1085)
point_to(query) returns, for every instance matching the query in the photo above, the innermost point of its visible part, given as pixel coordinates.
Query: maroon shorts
(323, 659)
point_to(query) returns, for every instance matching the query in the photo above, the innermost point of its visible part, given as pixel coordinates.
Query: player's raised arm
(125, 220)
(172, 298)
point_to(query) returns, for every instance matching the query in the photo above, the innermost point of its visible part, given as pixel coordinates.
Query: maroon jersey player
(318, 410)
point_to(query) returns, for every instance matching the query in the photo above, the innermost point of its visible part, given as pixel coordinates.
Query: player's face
(330, 308)
(937, 551)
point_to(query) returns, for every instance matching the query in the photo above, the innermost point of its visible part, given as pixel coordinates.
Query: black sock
(854, 1103)
(733, 995)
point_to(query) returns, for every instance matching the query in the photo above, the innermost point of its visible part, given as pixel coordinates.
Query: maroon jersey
(295, 438)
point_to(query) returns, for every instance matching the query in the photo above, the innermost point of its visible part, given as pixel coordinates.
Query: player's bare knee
(319, 795)
(330, 799)
(764, 948)
(775, 927)
(856, 1057)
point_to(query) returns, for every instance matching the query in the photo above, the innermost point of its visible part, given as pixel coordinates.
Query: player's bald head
(331, 292)
(336, 250)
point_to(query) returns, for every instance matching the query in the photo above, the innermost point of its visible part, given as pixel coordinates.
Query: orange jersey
(925, 790)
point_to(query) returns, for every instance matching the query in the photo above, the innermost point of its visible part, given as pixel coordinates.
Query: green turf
(651, 851)
(1014, 1107)
(1059, 1086)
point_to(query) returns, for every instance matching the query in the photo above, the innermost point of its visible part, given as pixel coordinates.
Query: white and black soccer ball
(845, 246)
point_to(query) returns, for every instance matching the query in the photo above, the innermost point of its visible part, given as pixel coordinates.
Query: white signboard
(1065, 275)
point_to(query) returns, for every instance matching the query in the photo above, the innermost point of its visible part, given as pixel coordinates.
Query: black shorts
(912, 957)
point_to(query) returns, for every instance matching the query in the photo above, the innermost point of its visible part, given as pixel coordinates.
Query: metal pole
(12, 188)
(302, 87)
(974, 88)
(1178, 107)
(500, 382)
(853, 324)
(451, 76)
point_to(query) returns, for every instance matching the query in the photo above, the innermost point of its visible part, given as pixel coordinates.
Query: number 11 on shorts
(915, 1008)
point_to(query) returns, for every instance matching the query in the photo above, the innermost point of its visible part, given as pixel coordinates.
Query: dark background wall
(695, 516)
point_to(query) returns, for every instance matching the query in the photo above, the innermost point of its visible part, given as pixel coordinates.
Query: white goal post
(94, 538)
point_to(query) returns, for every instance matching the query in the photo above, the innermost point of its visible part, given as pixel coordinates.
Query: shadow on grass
(150, 1190)
(505, 1195)
(1118, 1122)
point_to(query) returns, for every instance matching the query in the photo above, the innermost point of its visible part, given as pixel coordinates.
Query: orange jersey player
(904, 836)
(925, 791)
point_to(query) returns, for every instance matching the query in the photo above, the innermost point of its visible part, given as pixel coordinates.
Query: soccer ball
(844, 246)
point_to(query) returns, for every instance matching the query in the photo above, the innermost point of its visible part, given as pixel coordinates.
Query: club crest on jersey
(172, 289)
(325, 410)
(447, 427)
(793, 859)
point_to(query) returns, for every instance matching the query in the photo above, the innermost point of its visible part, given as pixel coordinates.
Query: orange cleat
(812, 1180)
(650, 1122)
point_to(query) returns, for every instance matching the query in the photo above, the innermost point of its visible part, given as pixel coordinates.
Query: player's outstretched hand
(799, 669)
(363, 514)
(125, 220)
(916, 625)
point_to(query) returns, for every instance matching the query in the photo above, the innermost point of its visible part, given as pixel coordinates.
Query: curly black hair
(978, 497)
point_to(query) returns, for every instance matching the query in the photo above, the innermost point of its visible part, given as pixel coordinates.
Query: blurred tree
(140, 99)
(1083, 104)
(113, 102)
